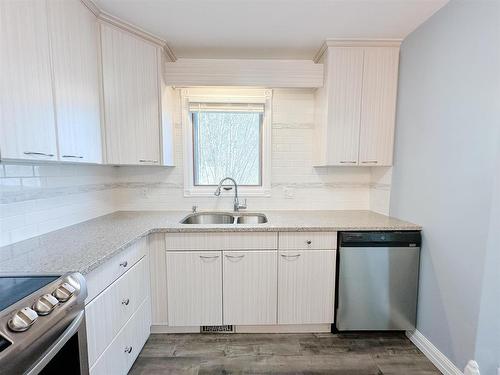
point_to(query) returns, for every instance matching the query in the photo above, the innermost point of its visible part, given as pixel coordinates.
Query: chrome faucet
(236, 206)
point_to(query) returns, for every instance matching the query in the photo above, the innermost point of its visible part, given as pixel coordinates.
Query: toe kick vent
(217, 329)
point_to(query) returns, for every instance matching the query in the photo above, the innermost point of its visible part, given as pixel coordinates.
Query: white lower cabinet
(194, 280)
(306, 286)
(285, 282)
(250, 287)
(120, 355)
(109, 312)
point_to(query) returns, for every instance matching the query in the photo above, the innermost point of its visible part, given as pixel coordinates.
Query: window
(227, 144)
(226, 134)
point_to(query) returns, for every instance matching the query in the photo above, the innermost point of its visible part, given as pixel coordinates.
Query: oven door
(66, 355)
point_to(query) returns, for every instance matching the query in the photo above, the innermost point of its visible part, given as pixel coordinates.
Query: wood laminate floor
(353, 353)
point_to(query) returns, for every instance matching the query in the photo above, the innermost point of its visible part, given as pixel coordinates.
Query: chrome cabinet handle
(126, 301)
(37, 153)
(209, 257)
(347, 162)
(124, 264)
(147, 161)
(235, 258)
(370, 162)
(128, 349)
(290, 256)
(73, 156)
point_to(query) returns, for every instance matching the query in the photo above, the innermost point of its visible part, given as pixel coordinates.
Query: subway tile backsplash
(36, 199)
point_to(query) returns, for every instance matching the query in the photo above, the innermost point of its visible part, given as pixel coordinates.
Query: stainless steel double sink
(224, 218)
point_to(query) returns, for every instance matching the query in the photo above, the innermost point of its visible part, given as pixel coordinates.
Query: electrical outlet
(289, 192)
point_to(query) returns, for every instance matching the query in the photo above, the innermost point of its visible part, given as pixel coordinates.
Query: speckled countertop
(85, 246)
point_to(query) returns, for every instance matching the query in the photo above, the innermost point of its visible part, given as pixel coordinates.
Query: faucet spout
(236, 204)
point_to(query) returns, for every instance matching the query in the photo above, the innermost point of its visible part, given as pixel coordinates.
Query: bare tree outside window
(227, 144)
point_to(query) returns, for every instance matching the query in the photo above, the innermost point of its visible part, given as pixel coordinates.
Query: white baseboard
(435, 356)
(167, 329)
(287, 328)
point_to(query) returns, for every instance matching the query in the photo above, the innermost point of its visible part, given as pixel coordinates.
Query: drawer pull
(370, 162)
(308, 242)
(235, 258)
(347, 162)
(126, 301)
(208, 258)
(73, 156)
(147, 161)
(296, 256)
(128, 349)
(37, 153)
(124, 264)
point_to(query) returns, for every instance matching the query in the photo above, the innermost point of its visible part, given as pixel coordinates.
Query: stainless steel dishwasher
(377, 280)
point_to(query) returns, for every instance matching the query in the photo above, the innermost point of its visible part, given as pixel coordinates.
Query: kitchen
(280, 199)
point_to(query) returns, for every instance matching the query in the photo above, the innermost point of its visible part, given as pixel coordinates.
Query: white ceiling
(286, 29)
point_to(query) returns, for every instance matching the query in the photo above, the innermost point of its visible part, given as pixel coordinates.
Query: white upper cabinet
(340, 100)
(355, 109)
(378, 106)
(131, 98)
(27, 125)
(74, 39)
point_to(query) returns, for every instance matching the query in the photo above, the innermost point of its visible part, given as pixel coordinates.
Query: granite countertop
(83, 247)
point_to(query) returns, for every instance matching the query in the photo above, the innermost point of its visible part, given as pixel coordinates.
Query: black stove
(15, 288)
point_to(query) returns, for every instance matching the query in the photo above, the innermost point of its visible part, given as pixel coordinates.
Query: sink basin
(252, 219)
(209, 218)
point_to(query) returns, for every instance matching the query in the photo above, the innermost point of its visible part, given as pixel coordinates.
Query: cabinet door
(194, 288)
(74, 42)
(378, 111)
(27, 127)
(306, 286)
(345, 72)
(131, 98)
(250, 287)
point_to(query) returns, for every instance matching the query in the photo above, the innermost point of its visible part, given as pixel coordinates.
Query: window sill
(243, 192)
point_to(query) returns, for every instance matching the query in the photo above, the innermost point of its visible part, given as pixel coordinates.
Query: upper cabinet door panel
(380, 79)
(345, 71)
(27, 127)
(131, 101)
(74, 42)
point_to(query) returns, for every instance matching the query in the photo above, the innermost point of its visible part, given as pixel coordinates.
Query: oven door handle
(61, 341)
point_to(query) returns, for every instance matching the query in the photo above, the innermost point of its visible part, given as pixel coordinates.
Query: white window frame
(226, 95)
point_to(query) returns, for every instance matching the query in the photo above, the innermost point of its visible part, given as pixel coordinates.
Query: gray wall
(447, 132)
(488, 337)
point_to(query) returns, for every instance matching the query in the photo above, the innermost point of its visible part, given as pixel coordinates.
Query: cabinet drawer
(107, 313)
(308, 240)
(222, 241)
(103, 276)
(124, 349)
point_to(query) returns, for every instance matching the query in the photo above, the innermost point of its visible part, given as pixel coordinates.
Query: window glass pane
(227, 144)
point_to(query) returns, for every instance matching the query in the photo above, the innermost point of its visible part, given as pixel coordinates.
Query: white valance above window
(226, 107)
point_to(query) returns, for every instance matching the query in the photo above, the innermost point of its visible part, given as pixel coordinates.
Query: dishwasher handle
(380, 239)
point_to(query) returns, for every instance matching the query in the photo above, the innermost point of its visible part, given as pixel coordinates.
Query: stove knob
(64, 292)
(45, 304)
(22, 320)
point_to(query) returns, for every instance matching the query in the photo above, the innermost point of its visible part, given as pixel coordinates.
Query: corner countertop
(83, 247)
